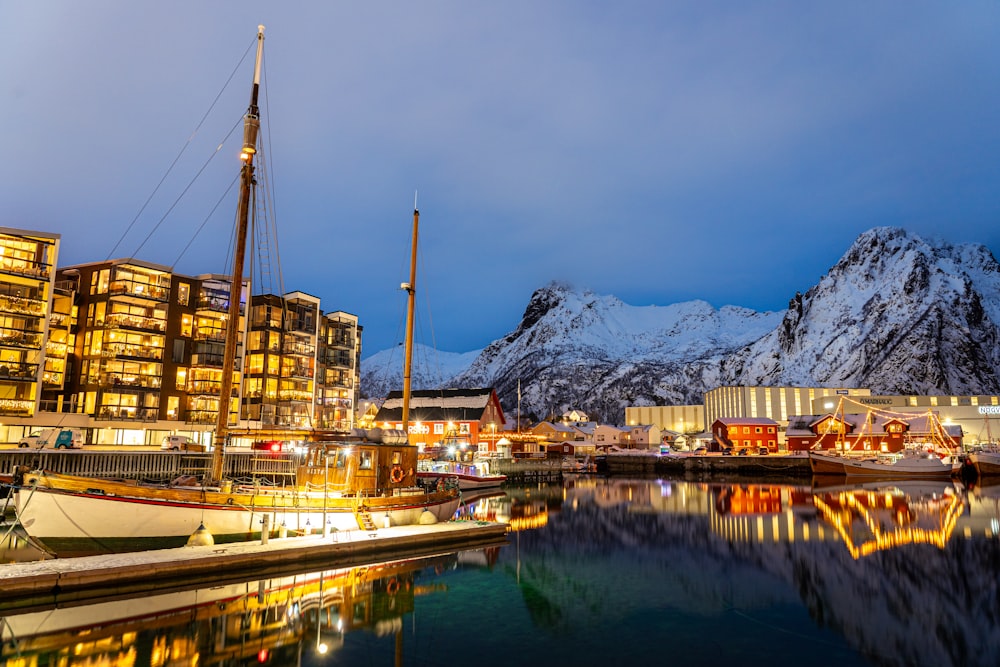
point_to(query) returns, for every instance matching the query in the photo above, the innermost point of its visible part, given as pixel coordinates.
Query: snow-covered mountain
(897, 314)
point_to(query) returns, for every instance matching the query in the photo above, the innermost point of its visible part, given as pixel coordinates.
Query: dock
(40, 584)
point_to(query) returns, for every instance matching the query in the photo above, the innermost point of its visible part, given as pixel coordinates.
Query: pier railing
(150, 466)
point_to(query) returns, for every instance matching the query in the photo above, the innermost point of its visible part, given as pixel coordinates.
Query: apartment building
(132, 351)
(27, 288)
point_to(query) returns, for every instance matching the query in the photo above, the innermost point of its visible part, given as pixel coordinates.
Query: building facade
(750, 433)
(27, 294)
(469, 419)
(131, 351)
(685, 419)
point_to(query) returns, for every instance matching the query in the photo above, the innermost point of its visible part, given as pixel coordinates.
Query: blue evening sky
(658, 151)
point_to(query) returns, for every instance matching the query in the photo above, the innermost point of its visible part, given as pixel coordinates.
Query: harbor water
(597, 571)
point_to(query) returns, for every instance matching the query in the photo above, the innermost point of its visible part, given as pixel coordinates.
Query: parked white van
(181, 443)
(66, 438)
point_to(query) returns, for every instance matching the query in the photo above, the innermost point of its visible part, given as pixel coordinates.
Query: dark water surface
(600, 572)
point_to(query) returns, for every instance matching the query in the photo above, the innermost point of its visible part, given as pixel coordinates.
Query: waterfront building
(686, 419)
(27, 285)
(552, 432)
(606, 435)
(751, 433)
(641, 436)
(868, 432)
(977, 415)
(469, 419)
(131, 351)
(775, 403)
(338, 371)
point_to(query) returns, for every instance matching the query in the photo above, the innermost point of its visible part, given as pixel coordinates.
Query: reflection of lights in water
(995, 526)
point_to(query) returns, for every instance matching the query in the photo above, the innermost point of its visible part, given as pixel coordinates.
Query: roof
(437, 405)
(559, 427)
(749, 421)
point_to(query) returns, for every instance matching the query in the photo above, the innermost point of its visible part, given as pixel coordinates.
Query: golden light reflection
(889, 520)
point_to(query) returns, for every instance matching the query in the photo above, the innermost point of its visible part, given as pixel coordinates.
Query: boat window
(341, 459)
(364, 460)
(397, 458)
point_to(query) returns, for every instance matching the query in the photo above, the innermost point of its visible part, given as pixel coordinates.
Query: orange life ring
(396, 475)
(392, 587)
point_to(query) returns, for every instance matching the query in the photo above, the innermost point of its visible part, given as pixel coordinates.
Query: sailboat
(365, 481)
(931, 460)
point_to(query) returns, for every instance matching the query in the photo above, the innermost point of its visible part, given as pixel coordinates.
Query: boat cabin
(359, 468)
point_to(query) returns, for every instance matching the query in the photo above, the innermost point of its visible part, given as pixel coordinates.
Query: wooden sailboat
(367, 481)
(932, 460)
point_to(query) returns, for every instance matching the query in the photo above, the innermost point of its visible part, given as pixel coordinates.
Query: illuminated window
(183, 293)
(181, 381)
(365, 460)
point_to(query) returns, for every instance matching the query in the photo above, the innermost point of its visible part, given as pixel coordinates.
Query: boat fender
(229, 501)
(201, 537)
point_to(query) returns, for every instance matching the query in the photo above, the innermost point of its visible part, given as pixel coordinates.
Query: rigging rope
(187, 187)
(181, 152)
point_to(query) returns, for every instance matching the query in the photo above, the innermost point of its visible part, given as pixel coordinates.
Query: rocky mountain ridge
(897, 314)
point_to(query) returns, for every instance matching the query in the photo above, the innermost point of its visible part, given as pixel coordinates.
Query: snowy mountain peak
(897, 313)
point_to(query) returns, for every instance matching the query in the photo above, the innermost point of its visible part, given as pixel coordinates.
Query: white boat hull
(465, 482)
(72, 522)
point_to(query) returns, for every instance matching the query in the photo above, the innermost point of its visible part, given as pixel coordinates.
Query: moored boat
(469, 476)
(909, 464)
(339, 486)
(367, 480)
(986, 461)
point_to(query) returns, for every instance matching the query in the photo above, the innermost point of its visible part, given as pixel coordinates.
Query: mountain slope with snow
(897, 314)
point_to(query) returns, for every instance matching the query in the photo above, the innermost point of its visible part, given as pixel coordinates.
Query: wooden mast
(411, 290)
(251, 127)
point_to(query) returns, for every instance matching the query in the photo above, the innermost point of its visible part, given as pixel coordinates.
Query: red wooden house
(869, 432)
(469, 419)
(746, 432)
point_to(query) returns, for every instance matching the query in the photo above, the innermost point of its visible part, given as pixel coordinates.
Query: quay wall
(528, 470)
(704, 466)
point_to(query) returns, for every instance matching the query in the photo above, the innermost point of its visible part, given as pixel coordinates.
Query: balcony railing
(13, 407)
(295, 396)
(22, 305)
(201, 416)
(212, 335)
(24, 339)
(139, 290)
(12, 370)
(130, 381)
(115, 350)
(25, 268)
(127, 413)
(303, 372)
(133, 322)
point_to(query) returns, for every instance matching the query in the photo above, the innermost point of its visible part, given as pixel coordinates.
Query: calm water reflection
(601, 572)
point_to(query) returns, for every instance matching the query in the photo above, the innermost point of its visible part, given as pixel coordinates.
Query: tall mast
(411, 290)
(251, 126)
